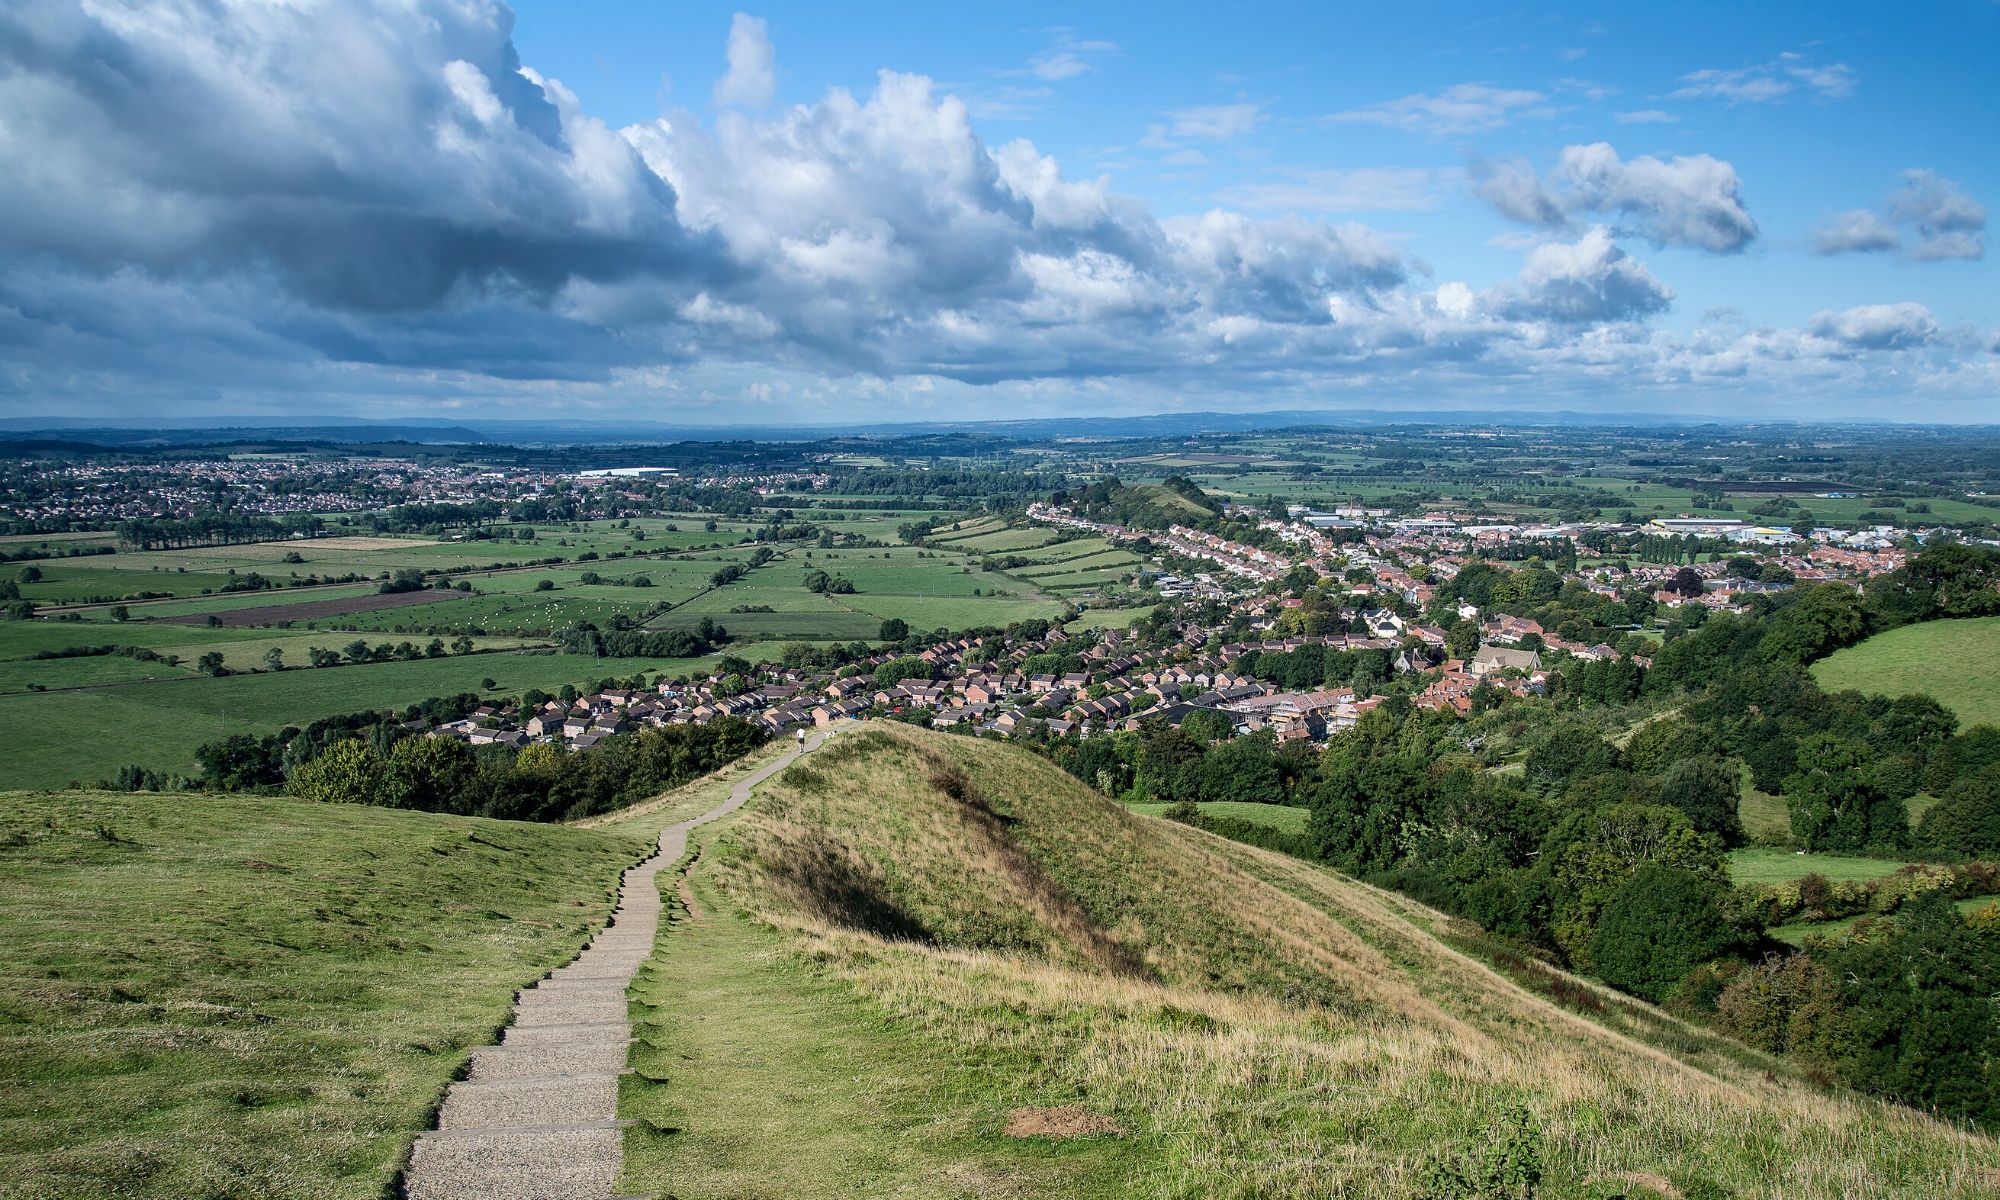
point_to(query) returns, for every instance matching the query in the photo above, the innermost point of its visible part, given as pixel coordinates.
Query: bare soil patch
(1657, 1184)
(1066, 1121)
(307, 610)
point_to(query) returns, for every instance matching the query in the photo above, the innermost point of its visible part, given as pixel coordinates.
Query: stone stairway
(536, 1118)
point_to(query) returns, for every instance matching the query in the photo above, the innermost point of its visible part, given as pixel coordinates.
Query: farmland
(87, 735)
(102, 711)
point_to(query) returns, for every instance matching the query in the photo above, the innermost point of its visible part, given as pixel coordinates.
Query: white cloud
(1876, 326)
(752, 78)
(1067, 57)
(1588, 280)
(1857, 231)
(1645, 116)
(1943, 219)
(1949, 222)
(390, 211)
(1461, 108)
(1766, 82)
(1692, 200)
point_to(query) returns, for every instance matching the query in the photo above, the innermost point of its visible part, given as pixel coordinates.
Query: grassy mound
(1957, 662)
(259, 998)
(1254, 1025)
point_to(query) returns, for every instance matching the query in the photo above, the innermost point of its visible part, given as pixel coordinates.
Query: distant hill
(1235, 1022)
(600, 432)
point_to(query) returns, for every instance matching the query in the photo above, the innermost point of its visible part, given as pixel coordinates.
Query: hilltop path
(537, 1116)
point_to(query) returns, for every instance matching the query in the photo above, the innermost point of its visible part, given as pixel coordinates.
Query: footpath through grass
(757, 1076)
(226, 998)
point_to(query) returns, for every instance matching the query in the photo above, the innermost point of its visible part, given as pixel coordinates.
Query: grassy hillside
(1956, 662)
(259, 997)
(1284, 818)
(1228, 1022)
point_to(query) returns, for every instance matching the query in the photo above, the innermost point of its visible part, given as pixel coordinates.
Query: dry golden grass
(1268, 1027)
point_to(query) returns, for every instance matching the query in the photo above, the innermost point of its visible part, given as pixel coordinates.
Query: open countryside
(628, 601)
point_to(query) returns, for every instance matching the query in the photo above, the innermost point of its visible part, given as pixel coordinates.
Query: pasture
(1956, 662)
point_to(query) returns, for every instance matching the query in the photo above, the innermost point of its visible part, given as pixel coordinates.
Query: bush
(1660, 925)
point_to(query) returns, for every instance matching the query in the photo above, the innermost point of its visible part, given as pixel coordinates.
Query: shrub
(1661, 924)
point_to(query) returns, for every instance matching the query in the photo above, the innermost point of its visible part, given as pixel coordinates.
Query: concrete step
(529, 1101)
(574, 1162)
(572, 1011)
(574, 1033)
(513, 1062)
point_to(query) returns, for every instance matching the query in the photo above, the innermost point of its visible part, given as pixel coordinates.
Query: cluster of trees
(540, 782)
(1610, 858)
(820, 582)
(1196, 762)
(372, 758)
(586, 638)
(213, 529)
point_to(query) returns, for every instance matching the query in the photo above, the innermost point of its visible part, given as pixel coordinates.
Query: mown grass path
(536, 1117)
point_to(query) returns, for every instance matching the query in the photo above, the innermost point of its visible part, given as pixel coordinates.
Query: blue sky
(808, 212)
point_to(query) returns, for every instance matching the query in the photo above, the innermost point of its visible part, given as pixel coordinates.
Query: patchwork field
(312, 610)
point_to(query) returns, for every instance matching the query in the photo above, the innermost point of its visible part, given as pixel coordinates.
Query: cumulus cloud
(1588, 280)
(1784, 76)
(1857, 231)
(1688, 200)
(1459, 109)
(752, 78)
(376, 205)
(1941, 219)
(1876, 326)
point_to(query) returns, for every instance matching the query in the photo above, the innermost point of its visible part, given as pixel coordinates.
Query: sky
(811, 213)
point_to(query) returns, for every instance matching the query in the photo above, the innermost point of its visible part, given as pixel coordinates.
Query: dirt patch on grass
(309, 610)
(1066, 1121)
(1657, 1184)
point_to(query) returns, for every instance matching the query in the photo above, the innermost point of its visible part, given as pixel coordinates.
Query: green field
(260, 997)
(1956, 662)
(1758, 865)
(1798, 931)
(87, 736)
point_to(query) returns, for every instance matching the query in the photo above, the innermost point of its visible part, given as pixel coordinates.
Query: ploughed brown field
(307, 610)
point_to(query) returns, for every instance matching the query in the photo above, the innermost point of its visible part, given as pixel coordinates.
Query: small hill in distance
(1252, 1025)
